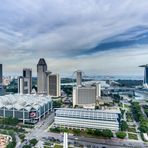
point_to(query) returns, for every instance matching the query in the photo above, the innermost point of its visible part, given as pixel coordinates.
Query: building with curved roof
(28, 108)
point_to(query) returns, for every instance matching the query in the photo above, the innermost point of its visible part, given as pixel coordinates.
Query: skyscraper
(41, 76)
(145, 81)
(25, 82)
(27, 74)
(53, 85)
(1, 73)
(79, 77)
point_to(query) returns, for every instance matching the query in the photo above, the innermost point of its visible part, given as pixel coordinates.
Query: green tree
(122, 112)
(143, 126)
(107, 133)
(121, 135)
(57, 104)
(76, 131)
(22, 137)
(89, 131)
(124, 125)
(26, 146)
(11, 145)
(97, 132)
(33, 142)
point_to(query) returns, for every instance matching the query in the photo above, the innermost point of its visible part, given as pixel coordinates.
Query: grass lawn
(58, 146)
(132, 130)
(132, 136)
(126, 106)
(47, 147)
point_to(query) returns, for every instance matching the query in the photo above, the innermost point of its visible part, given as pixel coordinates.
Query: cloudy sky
(100, 37)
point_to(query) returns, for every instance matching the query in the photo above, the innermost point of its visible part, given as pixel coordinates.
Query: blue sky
(101, 37)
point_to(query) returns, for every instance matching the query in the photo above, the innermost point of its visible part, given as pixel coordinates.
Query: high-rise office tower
(25, 82)
(53, 85)
(79, 77)
(27, 74)
(145, 81)
(1, 73)
(41, 76)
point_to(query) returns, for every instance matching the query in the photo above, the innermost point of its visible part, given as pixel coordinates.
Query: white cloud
(61, 28)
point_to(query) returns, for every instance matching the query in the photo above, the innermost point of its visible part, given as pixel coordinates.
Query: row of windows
(86, 123)
(91, 115)
(67, 121)
(98, 118)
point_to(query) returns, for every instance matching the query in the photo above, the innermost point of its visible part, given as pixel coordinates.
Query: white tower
(65, 141)
(20, 85)
(98, 90)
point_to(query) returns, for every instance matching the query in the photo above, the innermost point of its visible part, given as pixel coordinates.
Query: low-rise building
(87, 118)
(27, 108)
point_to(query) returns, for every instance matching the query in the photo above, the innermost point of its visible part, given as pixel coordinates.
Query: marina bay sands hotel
(145, 81)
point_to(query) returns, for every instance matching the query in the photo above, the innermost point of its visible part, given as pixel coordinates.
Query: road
(40, 131)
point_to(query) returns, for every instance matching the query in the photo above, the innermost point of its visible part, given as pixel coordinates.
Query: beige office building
(84, 96)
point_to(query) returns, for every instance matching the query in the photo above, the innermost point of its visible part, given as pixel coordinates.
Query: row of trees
(9, 121)
(93, 132)
(103, 133)
(138, 116)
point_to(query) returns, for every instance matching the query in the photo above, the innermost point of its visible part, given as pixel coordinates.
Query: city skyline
(98, 37)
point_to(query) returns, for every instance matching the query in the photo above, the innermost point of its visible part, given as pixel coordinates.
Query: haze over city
(100, 37)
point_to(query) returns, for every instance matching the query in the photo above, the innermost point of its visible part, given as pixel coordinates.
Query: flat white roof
(115, 111)
(27, 102)
(87, 114)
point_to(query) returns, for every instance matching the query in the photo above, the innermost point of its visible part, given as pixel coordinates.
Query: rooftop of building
(42, 61)
(109, 115)
(26, 102)
(146, 65)
(115, 111)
